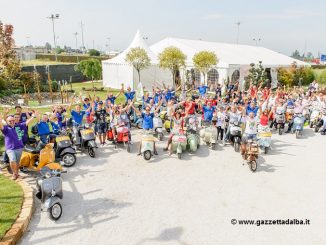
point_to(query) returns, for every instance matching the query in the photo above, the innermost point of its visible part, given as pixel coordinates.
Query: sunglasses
(11, 121)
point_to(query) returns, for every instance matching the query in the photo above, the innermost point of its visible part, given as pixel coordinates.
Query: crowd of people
(253, 107)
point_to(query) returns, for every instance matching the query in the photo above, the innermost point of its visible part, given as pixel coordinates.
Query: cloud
(212, 17)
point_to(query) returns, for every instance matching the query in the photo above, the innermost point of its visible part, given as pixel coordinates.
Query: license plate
(62, 138)
(267, 134)
(87, 131)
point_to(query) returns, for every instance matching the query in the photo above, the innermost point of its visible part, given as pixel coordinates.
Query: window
(235, 76)
(212, 76)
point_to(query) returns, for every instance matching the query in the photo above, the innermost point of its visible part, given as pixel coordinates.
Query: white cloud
(212, 17)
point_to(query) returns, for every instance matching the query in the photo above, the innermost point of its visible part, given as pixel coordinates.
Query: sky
(282, 25)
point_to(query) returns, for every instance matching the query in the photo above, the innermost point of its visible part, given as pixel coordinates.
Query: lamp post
(238, 33)
(76, 33)
(257, 40)
(54, 17)
(109, 45)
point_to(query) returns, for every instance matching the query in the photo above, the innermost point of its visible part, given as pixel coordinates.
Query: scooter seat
(31, 149)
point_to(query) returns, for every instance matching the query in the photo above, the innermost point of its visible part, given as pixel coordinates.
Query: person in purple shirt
(14, 145)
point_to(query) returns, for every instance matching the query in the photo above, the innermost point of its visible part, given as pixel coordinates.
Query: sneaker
(14, 176)
(155, 153)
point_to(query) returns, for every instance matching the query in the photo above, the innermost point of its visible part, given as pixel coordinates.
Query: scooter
(49, 186)
(123, 136)
(64, 150)
(147, 145)
(35, 158)
(314, 117)
(264, 138)
(298, 123)
(250, 154)
(280, 120)
(86, 141)
(193, 140)
(209, 135)
(179, 143)
(235, 135)
(158, 125)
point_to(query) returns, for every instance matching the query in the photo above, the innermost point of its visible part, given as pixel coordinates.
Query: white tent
(232, 57)
(117, 71)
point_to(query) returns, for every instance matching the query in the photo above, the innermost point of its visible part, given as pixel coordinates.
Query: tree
(204, 61)
(90, 68)
(173, 59)
(59, 50)
(138, 58)
(296, 55)
(48, 46)
(94, 52)
(296, 76)
(257, 73)
(9, 64)
(309, 55)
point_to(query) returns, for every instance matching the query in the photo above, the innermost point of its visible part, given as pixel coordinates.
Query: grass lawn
(42, 62)
(11, 198)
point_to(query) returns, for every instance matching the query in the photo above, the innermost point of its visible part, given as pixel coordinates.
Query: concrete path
(119, 199)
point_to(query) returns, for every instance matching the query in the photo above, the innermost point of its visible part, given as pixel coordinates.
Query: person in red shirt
(189, 106)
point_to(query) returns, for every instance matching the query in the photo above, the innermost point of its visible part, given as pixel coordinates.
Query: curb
(19, 227)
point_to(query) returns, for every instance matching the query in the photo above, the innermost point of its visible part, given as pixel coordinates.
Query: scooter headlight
(48, 175)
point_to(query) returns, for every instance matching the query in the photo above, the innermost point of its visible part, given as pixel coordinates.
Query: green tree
(296, 55)
(90, 68)
(204, 61)
(172, 59)
(94, 52)
(138, 58)
(257, 73)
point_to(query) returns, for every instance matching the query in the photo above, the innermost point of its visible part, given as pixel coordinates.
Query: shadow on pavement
(167, 235)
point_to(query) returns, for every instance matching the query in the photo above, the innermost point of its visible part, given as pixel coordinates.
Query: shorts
(101, 128)
(247, 137)
(14, 155)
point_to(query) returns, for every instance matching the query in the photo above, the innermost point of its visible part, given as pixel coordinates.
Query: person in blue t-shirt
(110, 97)
(43, 128)
(145, 100)
(252, 108)
(202, 90)
(130, 95)
(208, 111)
(147, 120)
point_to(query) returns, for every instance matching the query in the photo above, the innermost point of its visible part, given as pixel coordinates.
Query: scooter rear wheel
(280, 131)
(265, 150)
(55, 211)
(128, 147)
(179, 155)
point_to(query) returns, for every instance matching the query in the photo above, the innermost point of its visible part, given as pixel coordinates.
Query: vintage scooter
(209, 135)
(314, 117)
(86, 140)
(280, 120)
(35, 158)
(264, 138)
(235, 135)
(193, 140)
(249, 152)
(64, 150)
(298, 123)
(158, 127)
(147, 145)
(49, 187)
(123, 136)
(179, 143)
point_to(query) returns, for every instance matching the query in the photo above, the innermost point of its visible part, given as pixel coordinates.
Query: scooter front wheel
(253, 165)
(91, 151)
(128, 147)
(236, 147)
(55, 211)
(68, 159)
(147, 155)
(297, 134)
(280, 131)
(265, 150)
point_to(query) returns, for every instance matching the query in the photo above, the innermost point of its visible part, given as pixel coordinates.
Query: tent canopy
(228, 54)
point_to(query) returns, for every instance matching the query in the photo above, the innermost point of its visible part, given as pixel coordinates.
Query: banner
(139, 92)
(323, 58)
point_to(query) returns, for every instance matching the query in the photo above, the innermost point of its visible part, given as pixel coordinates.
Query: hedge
(68, 58)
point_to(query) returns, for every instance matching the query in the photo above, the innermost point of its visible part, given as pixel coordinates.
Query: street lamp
(76, 33)
(109, 45)
(54, 17)
(257, 40)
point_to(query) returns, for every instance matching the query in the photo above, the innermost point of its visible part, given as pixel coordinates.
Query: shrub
(322, 77)
(94, 52)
